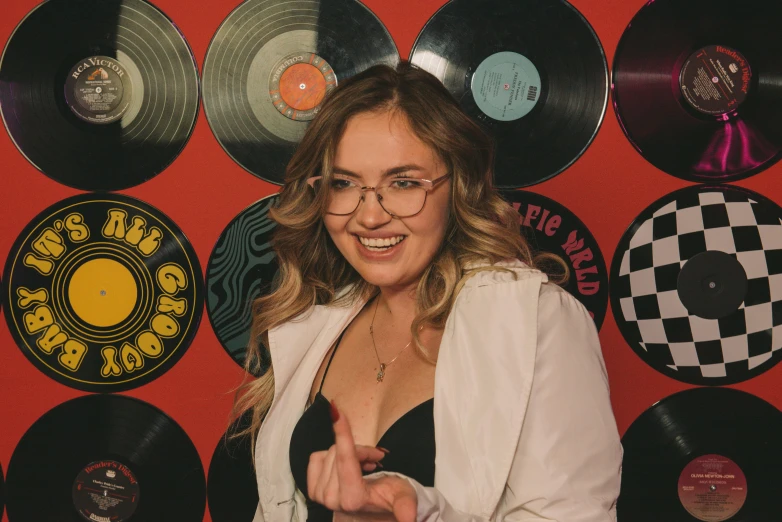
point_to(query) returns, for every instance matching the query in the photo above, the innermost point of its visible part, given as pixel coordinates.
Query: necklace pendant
(381, 373)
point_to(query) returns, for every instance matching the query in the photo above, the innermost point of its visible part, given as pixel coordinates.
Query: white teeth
(380, 242)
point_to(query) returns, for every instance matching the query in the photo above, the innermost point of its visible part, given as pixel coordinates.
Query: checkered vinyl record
(645, 285)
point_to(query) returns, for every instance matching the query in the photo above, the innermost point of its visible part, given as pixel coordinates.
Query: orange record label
(712, 488)
(103, 292)
(299, 83)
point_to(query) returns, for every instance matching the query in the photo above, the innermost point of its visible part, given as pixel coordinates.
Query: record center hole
(89, 287)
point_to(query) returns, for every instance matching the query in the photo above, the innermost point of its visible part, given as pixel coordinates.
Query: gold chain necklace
(382, 372)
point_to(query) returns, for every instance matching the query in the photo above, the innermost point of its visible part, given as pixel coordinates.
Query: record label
(715, 79)
(103, 292)
(106, 491)
(506, 86)
(712, 488)
(99, 89)
(299, 83)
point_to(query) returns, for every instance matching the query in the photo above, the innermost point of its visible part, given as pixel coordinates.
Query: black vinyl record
(241, 268)
(549, 226)
(270, 65)
(705, 454)
(105, 456)
(531, 72)
(103, 292)
(697, 87)
(232, 489)
(98, 94)
(696, 285)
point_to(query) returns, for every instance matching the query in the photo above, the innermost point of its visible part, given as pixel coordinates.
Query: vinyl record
(231, 487)
(706, 454)
(241, 268)
(696, 285)
(531, 72)
(550, 227)
(697, 87)
(98, 94)
(105, 457)
(2, 492)
(103, 292)
(271, 63)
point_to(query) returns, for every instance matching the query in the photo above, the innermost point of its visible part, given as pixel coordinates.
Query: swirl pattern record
(103, 292)
(270, 65)
(696, 285)
(105, 458)
(705, 454)
(531, 72)
(98, 94)
(241, 268)
(550, 227)
(697, 87)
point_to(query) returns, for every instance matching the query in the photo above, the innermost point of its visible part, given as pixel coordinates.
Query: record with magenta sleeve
(696, 285)
(532, 73)
(232, 490)
(704, 454)
(105, 457)
(98, 94)
(697, 87)
(270, 65)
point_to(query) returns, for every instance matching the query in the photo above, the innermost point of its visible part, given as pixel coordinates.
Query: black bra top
(410, 441)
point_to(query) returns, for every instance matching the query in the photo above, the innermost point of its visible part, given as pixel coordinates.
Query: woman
(463, 384)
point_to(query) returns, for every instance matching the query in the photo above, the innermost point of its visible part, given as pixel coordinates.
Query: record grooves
(98, 94)
(271, 63)
(109, 455)
(697, 87)
(532, 73)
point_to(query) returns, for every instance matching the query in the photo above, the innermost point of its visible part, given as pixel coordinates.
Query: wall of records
(144, 143)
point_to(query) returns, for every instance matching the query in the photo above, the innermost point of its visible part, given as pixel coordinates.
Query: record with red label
(98, 94)
(531, 72)
(105, 458)
(549, 226)
(697, 87)
(706, 454)
(103, 292)
(270, 65)
(696, 285)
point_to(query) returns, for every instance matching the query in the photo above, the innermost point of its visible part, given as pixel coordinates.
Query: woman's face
(374, 144)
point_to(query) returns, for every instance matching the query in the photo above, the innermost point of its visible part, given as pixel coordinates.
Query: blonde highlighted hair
(482, 228)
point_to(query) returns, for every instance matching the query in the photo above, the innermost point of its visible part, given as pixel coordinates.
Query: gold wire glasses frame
(406, 195)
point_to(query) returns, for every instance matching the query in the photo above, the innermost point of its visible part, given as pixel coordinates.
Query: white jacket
(524, 429)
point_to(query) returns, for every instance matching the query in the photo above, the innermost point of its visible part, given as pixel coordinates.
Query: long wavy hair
(483, 228)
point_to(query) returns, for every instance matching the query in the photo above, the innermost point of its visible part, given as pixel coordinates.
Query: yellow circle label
(102, 292)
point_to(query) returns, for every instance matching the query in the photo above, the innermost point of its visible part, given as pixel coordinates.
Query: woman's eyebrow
(388, 172)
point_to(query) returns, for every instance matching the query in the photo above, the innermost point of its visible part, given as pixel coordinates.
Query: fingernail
(334, 412)
(379, 465)
(383, 449)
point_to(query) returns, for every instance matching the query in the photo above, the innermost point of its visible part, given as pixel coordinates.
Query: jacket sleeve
(567, 466)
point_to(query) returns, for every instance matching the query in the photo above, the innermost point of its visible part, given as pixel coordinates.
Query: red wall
(204, 189)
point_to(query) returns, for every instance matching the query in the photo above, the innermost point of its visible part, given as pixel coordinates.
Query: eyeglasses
(399, 197)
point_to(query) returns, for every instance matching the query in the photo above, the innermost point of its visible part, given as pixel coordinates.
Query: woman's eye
(340, 184)
(403, 184)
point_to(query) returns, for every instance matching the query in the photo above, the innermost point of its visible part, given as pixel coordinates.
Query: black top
(410, 441)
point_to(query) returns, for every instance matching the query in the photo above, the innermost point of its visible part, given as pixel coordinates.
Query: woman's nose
(370, 213)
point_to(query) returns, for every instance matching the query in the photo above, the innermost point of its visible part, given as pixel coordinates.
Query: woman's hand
(334, 479)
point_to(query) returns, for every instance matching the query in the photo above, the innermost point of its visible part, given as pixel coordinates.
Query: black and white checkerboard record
(645, 270)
